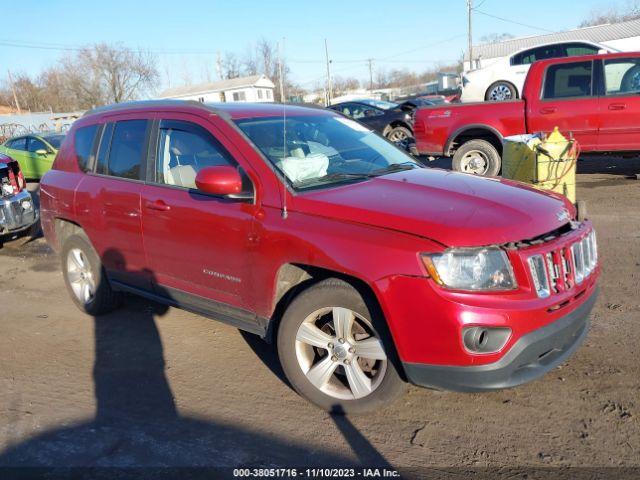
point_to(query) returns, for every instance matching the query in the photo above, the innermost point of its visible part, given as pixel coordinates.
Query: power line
(512, 21)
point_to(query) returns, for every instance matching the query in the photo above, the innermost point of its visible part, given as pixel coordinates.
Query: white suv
(503, 78)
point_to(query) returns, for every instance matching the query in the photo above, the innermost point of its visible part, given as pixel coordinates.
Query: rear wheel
(500, 92)
(85, 277)
(335, 350)
(477, 157)
(398, 134)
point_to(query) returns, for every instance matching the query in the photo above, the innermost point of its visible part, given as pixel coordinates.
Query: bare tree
(343, 85)
(496, 37)
(231, 66)
(612, 14)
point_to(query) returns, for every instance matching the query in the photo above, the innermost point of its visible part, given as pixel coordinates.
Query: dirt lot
(146, 386)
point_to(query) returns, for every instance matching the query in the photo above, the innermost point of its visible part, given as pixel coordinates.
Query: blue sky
(185, 35)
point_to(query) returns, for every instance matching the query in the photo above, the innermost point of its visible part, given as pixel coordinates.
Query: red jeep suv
(304, 227)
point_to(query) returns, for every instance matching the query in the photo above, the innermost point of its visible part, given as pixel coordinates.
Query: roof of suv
(234, 111)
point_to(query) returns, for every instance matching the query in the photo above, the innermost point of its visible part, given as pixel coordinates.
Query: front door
(40, 156)
(568, 101)
(196, 244)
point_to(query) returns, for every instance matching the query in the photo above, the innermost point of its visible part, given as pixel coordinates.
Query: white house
(623, 36)
(256, 88)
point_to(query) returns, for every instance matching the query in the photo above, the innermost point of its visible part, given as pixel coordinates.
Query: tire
(85, 277)
(501, 92)
(327, 371)
(398, 134)
(477, 157)
(22, 238)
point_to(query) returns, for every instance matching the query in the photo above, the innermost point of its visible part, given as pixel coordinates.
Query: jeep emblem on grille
(562, 216)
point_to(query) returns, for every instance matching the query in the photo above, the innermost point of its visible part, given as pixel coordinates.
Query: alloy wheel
(80, 276)
(340, 353)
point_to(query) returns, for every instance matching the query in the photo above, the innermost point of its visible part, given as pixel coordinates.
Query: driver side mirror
(221, 180)
(42, 152)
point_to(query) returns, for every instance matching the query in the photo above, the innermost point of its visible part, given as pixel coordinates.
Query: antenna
(283, 99)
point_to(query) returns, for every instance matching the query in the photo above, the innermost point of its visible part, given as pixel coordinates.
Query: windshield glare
(323, 150)
(379, 103)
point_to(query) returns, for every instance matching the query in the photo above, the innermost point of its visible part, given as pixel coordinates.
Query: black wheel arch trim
(461, 130)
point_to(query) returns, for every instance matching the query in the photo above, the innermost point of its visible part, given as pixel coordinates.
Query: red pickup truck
(595, 98)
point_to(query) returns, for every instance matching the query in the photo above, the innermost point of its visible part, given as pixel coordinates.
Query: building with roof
(624, 36)
(256, 88)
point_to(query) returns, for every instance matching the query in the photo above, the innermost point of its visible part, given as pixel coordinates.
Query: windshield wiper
(332, 178)
(394, 167)
(352, 176)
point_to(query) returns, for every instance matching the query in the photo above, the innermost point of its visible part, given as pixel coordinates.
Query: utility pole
(370, 62)
(469, 9)
(329, 87)
(13, 89)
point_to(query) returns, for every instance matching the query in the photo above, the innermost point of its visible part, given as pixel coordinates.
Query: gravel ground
(149, 387)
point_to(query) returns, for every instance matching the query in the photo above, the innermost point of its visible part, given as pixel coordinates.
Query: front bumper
(532, 356)
(14, 217)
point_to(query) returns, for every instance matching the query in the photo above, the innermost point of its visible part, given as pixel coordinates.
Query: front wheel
(477, 157)
(335, 350)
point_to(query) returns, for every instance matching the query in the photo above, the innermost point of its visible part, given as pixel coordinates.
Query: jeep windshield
(324, 150)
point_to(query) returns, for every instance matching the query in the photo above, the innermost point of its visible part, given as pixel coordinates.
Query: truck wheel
(336, 351)
(477, 157)
(85, 277)
(500, 92)
(399, 133)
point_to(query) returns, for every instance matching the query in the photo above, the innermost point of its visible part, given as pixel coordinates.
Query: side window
(19, 144)
(126, 151)
(84, 139)
(103, 149)
(36, 144)
(540, 53)
(183, 150)
(568, 80)
(577, 49)
(622, 76)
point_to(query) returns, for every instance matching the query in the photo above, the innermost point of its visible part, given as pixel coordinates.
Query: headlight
(474, 269)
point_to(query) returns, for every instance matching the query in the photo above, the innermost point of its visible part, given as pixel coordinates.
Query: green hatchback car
(34, 152)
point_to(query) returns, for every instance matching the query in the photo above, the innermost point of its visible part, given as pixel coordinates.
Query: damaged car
(18, 214)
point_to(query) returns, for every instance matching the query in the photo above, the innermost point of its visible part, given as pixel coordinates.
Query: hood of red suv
(455, 209)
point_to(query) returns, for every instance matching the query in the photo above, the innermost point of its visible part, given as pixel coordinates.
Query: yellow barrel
(546, 162)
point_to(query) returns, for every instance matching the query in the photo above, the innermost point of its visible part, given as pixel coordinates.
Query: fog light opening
(485, 339)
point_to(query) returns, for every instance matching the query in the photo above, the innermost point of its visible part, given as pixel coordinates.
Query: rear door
(108, 199)
(620, 105)
(197, 244)
(569, 101)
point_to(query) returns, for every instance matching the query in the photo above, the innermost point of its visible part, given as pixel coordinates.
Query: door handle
(547, 110)
(617, 106)
(158, 205)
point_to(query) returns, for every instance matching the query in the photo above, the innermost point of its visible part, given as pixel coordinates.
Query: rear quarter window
(84, 140)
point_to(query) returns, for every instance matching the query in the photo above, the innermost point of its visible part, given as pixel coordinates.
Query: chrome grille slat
(561, 269)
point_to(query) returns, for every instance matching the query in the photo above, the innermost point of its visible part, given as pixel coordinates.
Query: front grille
(559, 270)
